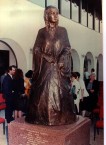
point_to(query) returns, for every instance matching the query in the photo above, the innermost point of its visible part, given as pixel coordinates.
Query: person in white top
(76, 84)
(86, 74)
(82, 94)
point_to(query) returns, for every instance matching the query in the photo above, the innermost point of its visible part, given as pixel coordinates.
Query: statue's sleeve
(65, 57)
(66, 42)
(37, 52)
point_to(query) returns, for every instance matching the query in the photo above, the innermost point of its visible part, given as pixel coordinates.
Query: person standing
(83, 95)
(76, 85)
(92, 88)
(86, 76)
(19, 96)
(7, 87)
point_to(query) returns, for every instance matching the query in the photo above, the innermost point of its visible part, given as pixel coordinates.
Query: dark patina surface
(50, 102)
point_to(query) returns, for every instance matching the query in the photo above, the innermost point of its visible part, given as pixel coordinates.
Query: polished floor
(98, 141)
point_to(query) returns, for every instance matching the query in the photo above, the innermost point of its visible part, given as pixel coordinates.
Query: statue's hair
(46, 12)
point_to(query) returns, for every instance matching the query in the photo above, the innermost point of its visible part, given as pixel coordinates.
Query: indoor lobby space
(72, 43)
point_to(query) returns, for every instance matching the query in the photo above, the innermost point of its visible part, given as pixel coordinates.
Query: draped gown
(50, 102)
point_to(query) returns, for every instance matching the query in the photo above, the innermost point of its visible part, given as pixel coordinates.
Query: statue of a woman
(50, 102)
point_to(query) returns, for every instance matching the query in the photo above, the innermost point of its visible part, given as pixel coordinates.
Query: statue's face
(53, 15)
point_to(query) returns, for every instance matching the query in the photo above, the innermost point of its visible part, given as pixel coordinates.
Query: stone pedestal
(22, 133)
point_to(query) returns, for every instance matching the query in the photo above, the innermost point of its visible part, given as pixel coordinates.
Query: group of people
(86, 93)
(15, 89)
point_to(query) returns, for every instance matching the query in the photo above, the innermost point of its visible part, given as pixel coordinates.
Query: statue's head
(51, 15)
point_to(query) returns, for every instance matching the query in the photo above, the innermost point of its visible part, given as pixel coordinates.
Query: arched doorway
(16, 53)
(89, 62)
(75, 61)
(7, 57)
(100, 68)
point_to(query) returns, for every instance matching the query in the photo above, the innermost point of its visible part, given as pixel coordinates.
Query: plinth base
(22, 133)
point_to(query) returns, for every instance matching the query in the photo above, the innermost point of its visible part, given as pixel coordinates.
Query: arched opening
(89, 62)
(100, 67)
(75, 61)
(16, 54)
(7, 57)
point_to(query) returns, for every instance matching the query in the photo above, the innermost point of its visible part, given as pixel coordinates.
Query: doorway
(4, 61)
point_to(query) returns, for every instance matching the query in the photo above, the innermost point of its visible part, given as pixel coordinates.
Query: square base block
(23, 133)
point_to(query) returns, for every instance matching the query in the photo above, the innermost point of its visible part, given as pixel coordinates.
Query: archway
(89, 62)
(7, 57)
(100, 67)
(75, 61)
(17, 55)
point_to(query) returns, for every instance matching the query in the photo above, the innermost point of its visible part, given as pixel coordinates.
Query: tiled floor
(98, 141)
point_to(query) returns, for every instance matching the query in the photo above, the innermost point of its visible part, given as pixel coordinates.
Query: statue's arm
(65, 58)
(37, 52)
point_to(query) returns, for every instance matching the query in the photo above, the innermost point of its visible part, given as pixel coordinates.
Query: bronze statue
(50, 102)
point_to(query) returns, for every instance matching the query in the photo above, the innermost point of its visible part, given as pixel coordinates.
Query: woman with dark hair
(50, 102)
(18, 87)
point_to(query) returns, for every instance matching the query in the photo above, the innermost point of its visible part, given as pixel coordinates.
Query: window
(84, 13)
(90, 21)
(52, 3)
(90, 13)
(65, 8)
(96, 24)
(39, 2)
(75, 10)
(100, 26)
(84, 17)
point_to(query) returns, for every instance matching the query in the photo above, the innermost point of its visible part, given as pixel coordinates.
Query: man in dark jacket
(8, 93)
(92, 88)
